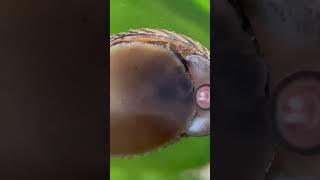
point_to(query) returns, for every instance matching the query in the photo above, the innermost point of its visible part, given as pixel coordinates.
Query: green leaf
(189, 17)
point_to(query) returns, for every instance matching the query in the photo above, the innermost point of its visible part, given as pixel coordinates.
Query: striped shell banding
(174, 42)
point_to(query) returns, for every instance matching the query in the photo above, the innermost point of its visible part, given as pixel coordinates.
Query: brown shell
(151, 95)
(177, 42)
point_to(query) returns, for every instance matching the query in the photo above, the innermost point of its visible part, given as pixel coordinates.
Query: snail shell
(159, 90)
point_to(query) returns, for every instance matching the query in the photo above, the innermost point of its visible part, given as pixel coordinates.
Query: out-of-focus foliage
(188, 17)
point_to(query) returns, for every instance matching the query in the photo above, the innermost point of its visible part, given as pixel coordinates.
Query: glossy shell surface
(151, 89)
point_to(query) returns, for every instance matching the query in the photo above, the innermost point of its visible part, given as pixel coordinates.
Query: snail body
(159, 90)
(287, 33)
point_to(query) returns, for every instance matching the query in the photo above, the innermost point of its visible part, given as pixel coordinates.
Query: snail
(288, 38)
(159, 90)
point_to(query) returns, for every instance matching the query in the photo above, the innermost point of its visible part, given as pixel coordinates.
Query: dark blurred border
(54, 89)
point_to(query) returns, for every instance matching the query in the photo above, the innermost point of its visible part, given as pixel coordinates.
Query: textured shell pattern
(170, 40)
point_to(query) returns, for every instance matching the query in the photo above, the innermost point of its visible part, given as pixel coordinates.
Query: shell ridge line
(164, 35)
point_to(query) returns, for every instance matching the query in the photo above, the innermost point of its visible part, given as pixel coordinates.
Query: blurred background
(190, 158)
(53, 105)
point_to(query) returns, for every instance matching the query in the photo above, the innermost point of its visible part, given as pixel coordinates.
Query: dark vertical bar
(240, 130)
(107, 74)
(53, 81)
(213, 104)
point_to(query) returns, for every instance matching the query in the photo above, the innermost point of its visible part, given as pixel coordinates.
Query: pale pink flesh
(298, 113)
(203, 97)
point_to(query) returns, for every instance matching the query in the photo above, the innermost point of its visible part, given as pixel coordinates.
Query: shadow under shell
(151, 98)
